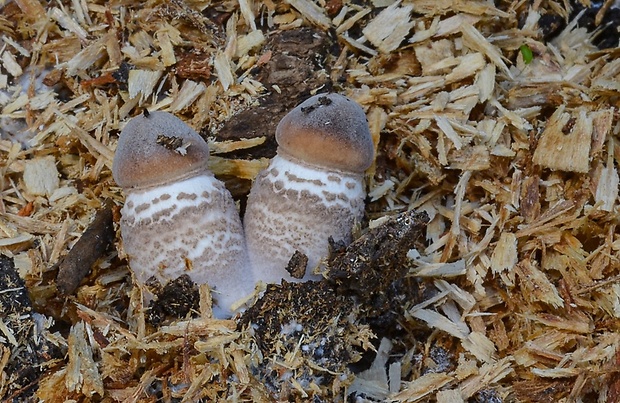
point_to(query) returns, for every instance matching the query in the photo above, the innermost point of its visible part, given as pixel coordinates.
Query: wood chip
(388, 29)
(565, 143)
(312, 12)
(142, 82)
(82, 373)
(41, 176)
(421, 387)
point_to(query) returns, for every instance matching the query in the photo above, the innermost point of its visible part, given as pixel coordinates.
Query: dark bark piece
(174, 300)
(297, 265)
(297, 66)
(90, 247)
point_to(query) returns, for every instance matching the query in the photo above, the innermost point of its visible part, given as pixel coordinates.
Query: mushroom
(313, 188)
(178, 218)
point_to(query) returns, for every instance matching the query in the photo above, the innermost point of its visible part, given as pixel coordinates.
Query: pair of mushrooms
(179, 219)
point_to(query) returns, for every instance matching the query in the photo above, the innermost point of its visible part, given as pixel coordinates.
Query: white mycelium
(178, 218)
(313, 188)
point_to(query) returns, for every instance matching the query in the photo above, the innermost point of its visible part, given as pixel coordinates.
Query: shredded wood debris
(498, 120)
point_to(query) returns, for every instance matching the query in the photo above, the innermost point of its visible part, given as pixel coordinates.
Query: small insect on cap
(157, 148)
(327, 130)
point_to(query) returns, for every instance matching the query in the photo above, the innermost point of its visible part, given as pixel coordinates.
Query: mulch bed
(487, 268)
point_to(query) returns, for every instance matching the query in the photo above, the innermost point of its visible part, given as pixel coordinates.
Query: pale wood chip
(17, 104)
(167, 50)
(485, 81)
(351, 21)
(480, 346)
(245, 169)
(558, 214)
(206, 302)
(223, 68)
(607, 79)
(41, 176)
(388, 29)
(473, 39)
(358, 45)
(514, 117)
(448, 130)
(433, 53)
(440, 270)
(438, 321)
(536, 286)
(466, 367)
(245, 43)
(246, 7)
(449, 396)
(215, 342)
(489, 374)
(219, 147)
(602, 121)
(11, 65)
(373, 382)
(607, 187)
(577, 322)
(476, 158)
(82, 373)
(67, 22)
(394, 376)
(505, 257)
(8, 334)
(240, 367)
(142, 82)
(187, 95)
(465, 300)
(468, 66)
(86, 58)
(556, 372)
(454, 24)
(381, 190)
(33, 10)
(423, 386)
(312, 12)
(565, 143)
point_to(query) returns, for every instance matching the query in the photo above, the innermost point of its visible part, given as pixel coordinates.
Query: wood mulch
(487, 268)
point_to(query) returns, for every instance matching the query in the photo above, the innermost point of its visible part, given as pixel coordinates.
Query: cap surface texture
(158, 148)
(327, 130)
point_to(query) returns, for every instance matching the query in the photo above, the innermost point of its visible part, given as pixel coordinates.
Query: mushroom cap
(327, 130)
(158, 148)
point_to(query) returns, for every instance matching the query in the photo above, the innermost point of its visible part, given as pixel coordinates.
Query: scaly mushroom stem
(294, 207)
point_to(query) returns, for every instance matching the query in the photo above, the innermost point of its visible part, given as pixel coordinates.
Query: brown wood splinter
(90, 247)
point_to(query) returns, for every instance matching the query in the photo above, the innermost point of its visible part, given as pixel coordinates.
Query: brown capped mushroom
(313, 188)
(178, 218)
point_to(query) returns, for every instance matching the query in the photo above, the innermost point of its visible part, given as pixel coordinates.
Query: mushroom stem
(295, 207)
(189, 227)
